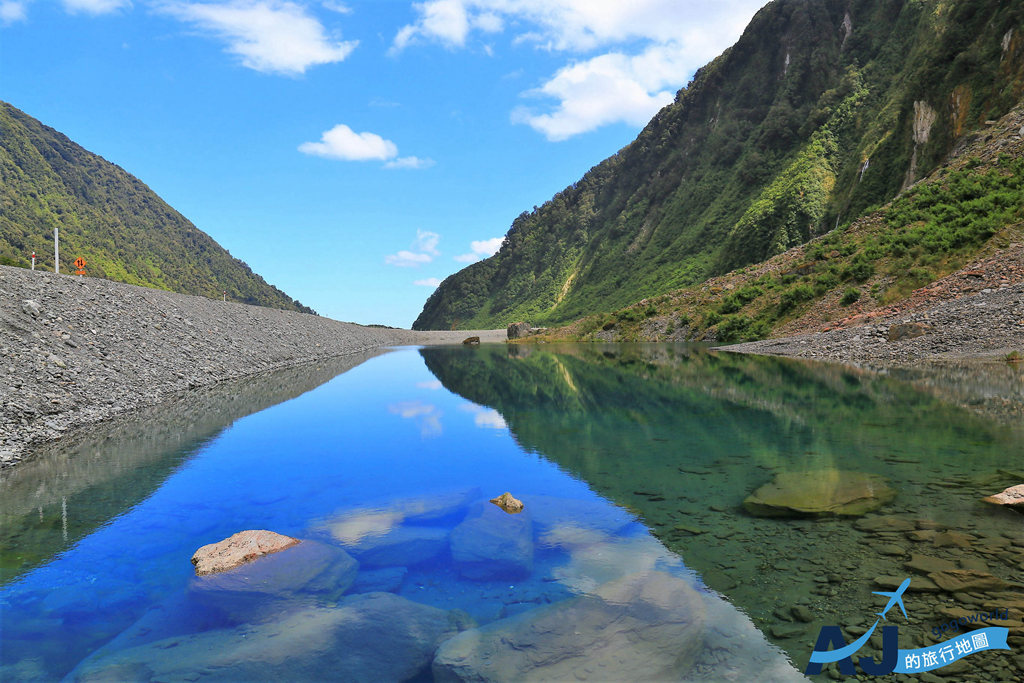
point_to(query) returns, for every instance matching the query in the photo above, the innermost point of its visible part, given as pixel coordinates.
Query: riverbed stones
(902, 331)
(1012, 497)
(491, 544)
(368, 637)
(925, 564)
(508, 503)
(884, 523)
(962, 580)
(647, 626)
(31, 307)
(819, 493)
(238, 549)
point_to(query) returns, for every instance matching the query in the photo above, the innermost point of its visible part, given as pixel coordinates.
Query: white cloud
(443, 21)
(610, 88)
(424, 249)
(485, 418)
(651, 47)
(576, 25)
(341, 142)
(12, 11)
(433, 385)
(94, 6)
(480, 249)
(428, 416)
(432, 282)
(407, 259)
(427, 241)
(273, 36)
(409, 162)
(338, 7)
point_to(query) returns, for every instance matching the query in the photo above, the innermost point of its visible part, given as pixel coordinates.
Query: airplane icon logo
(895, 598)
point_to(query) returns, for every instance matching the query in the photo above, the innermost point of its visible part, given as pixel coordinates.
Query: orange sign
(79, 263)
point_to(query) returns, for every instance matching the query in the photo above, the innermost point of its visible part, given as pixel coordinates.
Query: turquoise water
(634, 554)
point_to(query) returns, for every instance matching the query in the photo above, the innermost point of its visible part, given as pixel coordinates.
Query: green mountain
(122, 229)
(821, 112)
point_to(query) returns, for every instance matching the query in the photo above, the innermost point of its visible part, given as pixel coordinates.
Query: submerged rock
(642, 627)
(238, 549)
(1013, 497)
(551, 512)
(369, 637)
(507, 503)
(404, 546)
(959, 580)
(350, 526)
(265, 587)
(309, 565)
(819, 493)
(388, 580)
(491, 544)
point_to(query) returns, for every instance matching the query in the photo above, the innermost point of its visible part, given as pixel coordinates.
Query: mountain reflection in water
(682, 435)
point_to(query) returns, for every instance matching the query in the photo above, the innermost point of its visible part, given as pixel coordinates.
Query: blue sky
(356, 153)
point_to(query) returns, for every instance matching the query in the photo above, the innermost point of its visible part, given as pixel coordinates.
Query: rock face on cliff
(820, 111)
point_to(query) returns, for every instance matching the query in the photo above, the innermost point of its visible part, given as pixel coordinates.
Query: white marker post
(56, 251)
(33, 260)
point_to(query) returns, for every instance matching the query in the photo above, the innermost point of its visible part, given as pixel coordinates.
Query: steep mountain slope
(819, 112)
(957, 232)
(123, 229)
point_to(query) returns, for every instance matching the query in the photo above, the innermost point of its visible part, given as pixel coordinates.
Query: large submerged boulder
(265, 587)
(647, 626)
(307, 566)
(238, 549)
(491, 544)
(820, 493)
(404, 546)
(369, 637)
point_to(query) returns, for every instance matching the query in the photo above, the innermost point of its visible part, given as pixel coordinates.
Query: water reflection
(69, 489)
(684, 436)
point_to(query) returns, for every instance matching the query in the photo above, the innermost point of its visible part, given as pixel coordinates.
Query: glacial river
(641, 553)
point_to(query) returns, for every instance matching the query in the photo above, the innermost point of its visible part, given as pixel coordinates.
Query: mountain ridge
(818, 113)
(124, 230)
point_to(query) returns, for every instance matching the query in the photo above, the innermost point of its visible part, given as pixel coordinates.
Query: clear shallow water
(633, 462)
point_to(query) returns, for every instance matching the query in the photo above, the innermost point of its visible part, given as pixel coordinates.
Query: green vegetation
(121, 228)
(924, 234)
(797, 129)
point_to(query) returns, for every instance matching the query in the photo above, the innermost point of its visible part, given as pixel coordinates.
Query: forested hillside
(123, 230)
(821, 112)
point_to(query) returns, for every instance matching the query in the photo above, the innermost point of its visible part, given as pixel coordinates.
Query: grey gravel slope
(74, 351)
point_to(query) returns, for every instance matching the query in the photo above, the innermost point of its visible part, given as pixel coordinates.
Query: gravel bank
(74, 351)
(989, 324)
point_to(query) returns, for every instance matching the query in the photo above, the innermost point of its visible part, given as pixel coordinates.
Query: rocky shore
(985, 325)
(78, 350)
